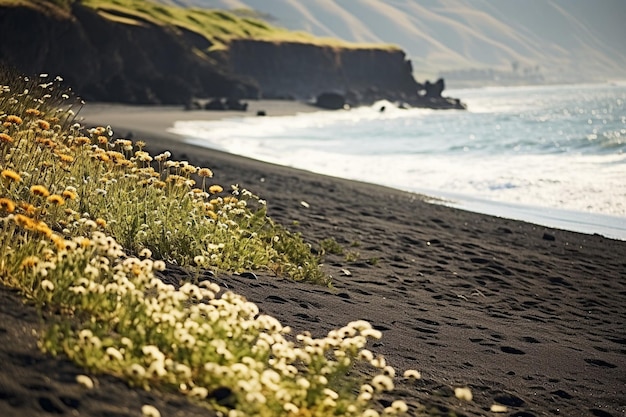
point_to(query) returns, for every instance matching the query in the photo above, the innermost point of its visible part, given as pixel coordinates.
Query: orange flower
(5, 138)
(56, 199)
(8, 174)
(39, 190)
(101, 222)
(14, 119)
(7, 205)
(33, 112)
(28, 208)
(43, 125)
(24, 221)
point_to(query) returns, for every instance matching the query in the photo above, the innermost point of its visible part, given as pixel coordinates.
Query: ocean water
(553, 155)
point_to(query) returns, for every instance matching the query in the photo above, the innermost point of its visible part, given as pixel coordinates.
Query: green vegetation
(217, 26)
(87, 221)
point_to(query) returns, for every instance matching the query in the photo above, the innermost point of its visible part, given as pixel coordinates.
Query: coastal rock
(330, 101)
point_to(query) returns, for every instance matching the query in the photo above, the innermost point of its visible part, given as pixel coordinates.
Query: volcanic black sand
(526, 316)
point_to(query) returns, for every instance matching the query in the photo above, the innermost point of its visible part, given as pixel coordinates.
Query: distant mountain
(509, 41)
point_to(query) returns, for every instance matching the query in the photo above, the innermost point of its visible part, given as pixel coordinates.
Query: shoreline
(155, 122)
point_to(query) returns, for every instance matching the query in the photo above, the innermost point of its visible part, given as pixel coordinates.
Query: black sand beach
(527, 317)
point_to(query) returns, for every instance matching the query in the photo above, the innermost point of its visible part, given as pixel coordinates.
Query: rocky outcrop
(121, 58)
(104, 60)
(305, 71)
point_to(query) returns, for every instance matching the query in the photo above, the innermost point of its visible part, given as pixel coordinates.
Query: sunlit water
(557, 151)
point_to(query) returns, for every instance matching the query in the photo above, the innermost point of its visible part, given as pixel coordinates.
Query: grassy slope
(217, 26)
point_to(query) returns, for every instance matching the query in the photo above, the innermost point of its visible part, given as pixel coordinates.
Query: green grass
(88, 220)
(217, 26)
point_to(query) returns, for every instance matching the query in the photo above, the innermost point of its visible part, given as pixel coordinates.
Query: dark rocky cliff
(105, 60)
(118, 59)
(304, 71)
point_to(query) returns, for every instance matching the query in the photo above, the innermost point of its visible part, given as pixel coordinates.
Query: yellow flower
(7, 205)
(39, 190)
(69, 195)
(5, 138)
(205, 172)
(30, 261)
(101, 222)
(56, 199)
(43, 228)
(214, 189)
(82, 140)
(11, 175)
(65, 158)
(33, 112)
(14, 119)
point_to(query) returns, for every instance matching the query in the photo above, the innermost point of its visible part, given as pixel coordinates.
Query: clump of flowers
(86, 223)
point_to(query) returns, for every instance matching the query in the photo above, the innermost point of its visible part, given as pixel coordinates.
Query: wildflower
(412, 374)
(145, 253)
(399, 406)
(162, 157)
(30, 262)
(101, 222)
(463, 394)
(137, 370)
(39, 190)
(32, 112)
(497, 408)
(65, 158)
(43, 125)
(382, 383)
(199, 392)
(205, 172)
(24, 221)
(114, 354)
(14, 119)
(85, 381)
(7, 205)
(47, 285)
(82, 140)
(103, 140)
(28, 208)
(148, 410)
(8, 174)
(291, 408)
(5, 138)
(214, 189)
(69, 194)
(56, 199)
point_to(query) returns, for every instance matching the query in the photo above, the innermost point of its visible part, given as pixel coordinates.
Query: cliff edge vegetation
(141, 52)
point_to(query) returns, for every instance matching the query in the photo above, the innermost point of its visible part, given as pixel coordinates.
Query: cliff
(104, 59)
(111, 55)
(303, 71)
